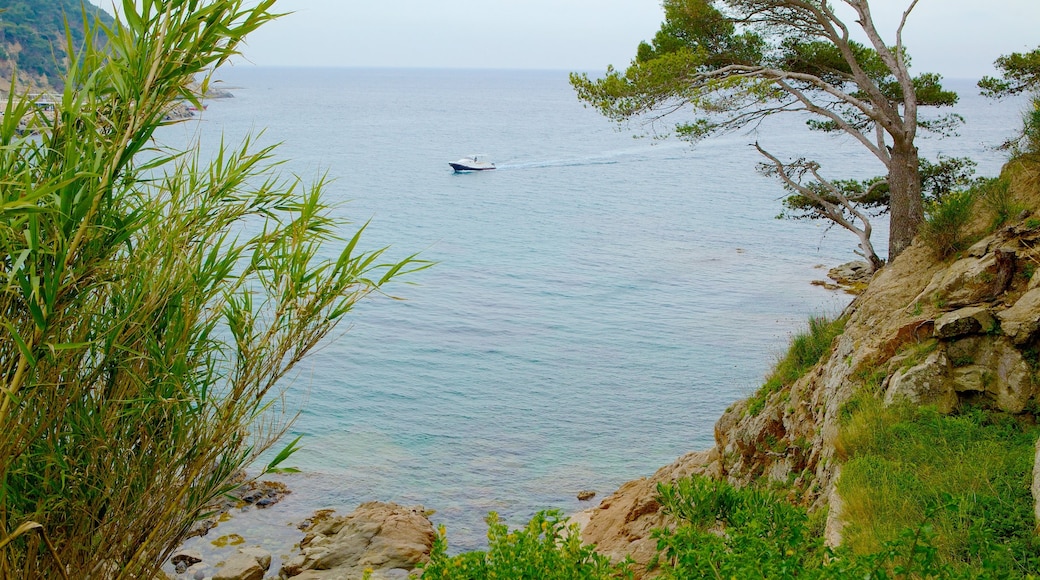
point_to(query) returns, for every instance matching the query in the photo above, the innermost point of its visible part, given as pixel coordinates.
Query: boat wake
(642, 155)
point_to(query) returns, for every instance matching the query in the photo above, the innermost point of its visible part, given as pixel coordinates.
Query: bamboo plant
(154, 301)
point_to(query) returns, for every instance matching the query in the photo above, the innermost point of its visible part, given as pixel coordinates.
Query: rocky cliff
(943, 332)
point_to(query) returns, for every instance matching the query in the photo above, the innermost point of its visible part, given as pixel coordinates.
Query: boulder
(969, 320)
(1021, 322)
(927, 383)
(856, 272)
(198, 571)
(262, 556)
(185, 559)
(241, 566)
(970, 281)
(621, 525)
(382, 537)
(982, 247)
(835, 525)
(991, 367)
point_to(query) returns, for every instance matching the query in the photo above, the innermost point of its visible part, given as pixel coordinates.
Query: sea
(596, 302)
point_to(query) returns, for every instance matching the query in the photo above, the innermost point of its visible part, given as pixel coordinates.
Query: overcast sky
(957, 38)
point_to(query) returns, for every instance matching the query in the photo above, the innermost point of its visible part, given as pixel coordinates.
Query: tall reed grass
(146, 329)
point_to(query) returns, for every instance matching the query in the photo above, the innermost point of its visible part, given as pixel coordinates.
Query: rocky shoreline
(945, 334)
(390, 540)
(385, 540)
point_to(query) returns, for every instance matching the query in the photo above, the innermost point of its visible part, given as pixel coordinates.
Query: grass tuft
(945, 227)
(805, 350)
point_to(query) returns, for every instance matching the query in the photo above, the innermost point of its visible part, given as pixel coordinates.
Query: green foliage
(945, 227)
(939, 179)
(1020, 72)
(869, 194)
(805, 350)
(721, 531)
(546, 549)
(968, 474)
(38, 30)
(153, 300)
(725, 532)
(1030, 142)
(726, 65)
(999, 200)
(764, 536)
(700, 29)
(707, 58)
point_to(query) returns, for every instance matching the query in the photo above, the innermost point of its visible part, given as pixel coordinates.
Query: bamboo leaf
(23, 348)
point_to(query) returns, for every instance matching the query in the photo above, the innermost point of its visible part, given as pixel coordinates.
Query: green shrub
(152, 300)
(546, 549)
(1031, 128)
(999, 201)
(945, 227)
(805, 350)
(725, 532)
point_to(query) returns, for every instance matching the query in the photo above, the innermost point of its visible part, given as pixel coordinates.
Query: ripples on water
(597, 303)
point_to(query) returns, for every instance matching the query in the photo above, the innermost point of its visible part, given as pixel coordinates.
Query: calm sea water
(598, 300)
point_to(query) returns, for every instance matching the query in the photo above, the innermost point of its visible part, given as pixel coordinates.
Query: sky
(956, 38)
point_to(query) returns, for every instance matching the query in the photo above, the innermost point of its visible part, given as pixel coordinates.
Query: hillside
(922, 413)
(32, 36)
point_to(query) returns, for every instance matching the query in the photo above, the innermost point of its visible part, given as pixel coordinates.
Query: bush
(151, 301)
(945, 227)
(725, 532)
(998, 199)
(1031, 128)
(546, 549)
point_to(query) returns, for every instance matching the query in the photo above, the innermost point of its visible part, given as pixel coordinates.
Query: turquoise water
(598, 300)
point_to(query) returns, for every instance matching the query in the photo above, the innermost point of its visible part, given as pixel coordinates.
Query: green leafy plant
(1031, 128)
(153, 301)
(945, 227)
(998, 199)
(728, 532)
(546, 548)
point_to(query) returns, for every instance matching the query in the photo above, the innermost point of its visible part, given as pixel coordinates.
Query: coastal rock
(620, 525)
(856, 272)
(897, 342)
(198, 571)
(241, 566)
(970, 281)
(927, 383)
(1022, 321)
(969, 320)
(383, 537)
(1035, 488)
(260, 494)
(990, 368)
(835, 525)
(185, 559)
(262, 556)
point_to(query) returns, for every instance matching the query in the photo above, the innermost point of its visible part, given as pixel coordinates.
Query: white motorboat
(472, 163)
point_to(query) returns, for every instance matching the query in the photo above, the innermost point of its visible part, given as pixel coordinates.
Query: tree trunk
(906, 206)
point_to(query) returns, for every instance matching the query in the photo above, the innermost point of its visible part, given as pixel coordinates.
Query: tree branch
(829, 210)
